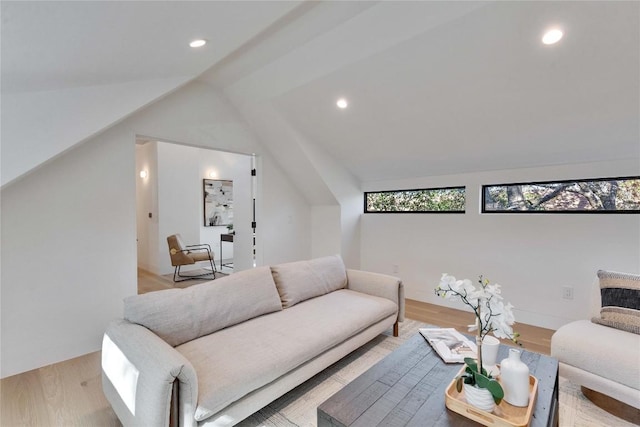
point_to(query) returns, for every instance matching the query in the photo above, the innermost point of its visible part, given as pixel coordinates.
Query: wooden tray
(504, 415)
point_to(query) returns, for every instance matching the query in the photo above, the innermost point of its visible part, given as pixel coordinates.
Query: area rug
(298, 408)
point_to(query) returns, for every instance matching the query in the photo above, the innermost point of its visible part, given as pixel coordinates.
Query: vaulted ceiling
(433, 87)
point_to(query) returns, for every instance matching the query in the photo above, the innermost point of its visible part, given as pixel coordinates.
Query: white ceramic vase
(514, 376)
(490, 346)
(481, 398)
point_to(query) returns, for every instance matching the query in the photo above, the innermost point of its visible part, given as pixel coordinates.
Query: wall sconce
(213, 174)
(143, 174)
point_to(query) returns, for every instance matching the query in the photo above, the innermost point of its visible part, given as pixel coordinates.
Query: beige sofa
(213, 354)
(599, 357)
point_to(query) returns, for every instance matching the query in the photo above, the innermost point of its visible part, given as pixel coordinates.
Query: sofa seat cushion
(235, 361)
(181, 315)
(298, 281)
(600, 350)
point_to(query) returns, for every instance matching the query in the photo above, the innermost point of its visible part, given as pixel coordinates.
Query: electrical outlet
(567, 292)
(396, 269)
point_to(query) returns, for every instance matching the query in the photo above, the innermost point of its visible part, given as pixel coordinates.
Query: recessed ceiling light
(342, 103)
(552, 36)
(198, 43)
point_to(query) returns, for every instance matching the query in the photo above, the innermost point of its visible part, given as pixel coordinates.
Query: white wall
(179, 174)
(66, 118)
(178, 199)
(325, 224)
(69, 228)
(346, 189)
(147, 203)
(531, 256)
(237, 168)
(68, 252)
(208, 120)
(283, 232)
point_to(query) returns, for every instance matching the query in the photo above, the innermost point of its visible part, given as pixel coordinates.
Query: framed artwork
(218, 202)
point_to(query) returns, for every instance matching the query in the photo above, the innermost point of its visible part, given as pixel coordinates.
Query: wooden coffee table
(407, 388)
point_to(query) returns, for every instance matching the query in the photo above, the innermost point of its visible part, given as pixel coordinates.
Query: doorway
(171, 187)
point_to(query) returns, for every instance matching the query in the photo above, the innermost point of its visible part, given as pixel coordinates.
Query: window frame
(483, 209)
(461, 187)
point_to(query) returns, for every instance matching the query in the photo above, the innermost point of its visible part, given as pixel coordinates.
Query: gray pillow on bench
(620, 295)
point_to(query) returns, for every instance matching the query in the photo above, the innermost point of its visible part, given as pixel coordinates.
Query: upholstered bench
(603, 354)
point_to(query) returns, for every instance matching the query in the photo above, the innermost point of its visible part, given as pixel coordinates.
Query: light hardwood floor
(532, 338)
(149, 282)
(70, 393)
(65, 394)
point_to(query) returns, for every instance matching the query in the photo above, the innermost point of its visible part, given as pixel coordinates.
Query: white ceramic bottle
(514, 376)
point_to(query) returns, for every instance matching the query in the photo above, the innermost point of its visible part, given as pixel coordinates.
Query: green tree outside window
(422, 200)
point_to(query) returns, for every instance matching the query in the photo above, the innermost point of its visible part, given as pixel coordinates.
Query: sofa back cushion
(301, 280)
(620, 297)
(181, 315)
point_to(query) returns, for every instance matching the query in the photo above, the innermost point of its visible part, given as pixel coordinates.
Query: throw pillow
(620, 294)
(298, 281)
(181, 315)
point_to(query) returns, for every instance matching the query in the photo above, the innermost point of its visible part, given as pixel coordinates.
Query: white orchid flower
(446, 281)
(508, 314)
(503, 331)
(494, 290)
(496, 306)
(447, 284)
(492, 314)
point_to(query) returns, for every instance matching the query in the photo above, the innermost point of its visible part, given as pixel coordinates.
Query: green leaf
(471, 364)
(481, 380)
(490, 384)
(496, 391)
(459, 384)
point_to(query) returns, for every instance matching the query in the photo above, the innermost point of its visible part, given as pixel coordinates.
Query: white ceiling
(59, 44)
(434, 87)
(481, 92)
(71, 69)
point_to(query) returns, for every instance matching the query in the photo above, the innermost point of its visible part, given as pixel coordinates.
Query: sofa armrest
(380, 285)
(139, 371)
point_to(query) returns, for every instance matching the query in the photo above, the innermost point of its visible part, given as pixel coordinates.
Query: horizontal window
(427, 200)
(604, 195)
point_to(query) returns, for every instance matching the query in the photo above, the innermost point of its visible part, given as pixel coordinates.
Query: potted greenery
(492, 315)
(480, 388)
